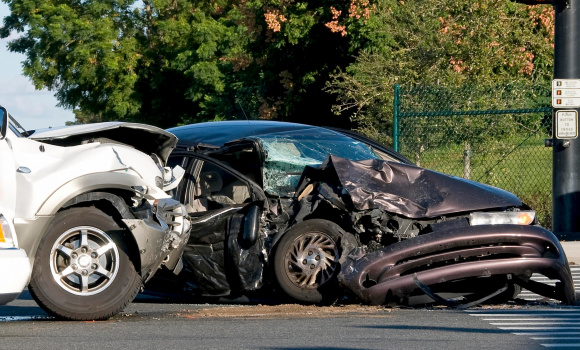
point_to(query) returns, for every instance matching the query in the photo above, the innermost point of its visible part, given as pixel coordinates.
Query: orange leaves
(359, 8)
(544, 17)
(457, 64)
(273, 19)
(333, 25)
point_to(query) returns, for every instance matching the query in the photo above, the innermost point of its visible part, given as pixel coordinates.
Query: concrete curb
(572, 250)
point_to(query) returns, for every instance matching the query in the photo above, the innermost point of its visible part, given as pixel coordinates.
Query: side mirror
(251, 228)
(4, 118)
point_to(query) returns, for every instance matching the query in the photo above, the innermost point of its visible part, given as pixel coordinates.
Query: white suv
(14, 264)
(89, 207)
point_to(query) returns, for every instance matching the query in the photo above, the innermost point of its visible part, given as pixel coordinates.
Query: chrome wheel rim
(311, 260)
(84, 260)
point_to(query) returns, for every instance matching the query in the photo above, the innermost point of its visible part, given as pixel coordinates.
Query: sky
(34, 109)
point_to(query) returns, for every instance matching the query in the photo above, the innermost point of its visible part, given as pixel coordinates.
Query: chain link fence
(493, 135)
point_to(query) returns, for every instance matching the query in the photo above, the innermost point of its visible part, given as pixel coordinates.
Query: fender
(94, 182)
(28, 229)
(117, 202)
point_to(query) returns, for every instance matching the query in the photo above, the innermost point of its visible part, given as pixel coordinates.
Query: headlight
(525, 217)
(6, 233)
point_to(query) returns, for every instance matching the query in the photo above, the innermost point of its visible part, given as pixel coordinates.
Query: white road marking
(527, 295)
(545, 333)
(533, 323)
(569, 345)
(552, 328)
(24, 318)
(528, 319)
(539, 328)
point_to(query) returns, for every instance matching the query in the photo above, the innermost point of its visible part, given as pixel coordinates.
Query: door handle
(23, 170)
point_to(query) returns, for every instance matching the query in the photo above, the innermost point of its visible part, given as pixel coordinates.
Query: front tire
(306, 262)
(82, 270)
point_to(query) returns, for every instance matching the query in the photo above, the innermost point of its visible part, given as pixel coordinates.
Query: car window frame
(374, 144)
(194, 169)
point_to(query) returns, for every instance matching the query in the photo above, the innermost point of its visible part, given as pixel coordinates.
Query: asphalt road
(149, 324)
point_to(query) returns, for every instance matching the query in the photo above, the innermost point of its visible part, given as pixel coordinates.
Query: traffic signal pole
(566, 102)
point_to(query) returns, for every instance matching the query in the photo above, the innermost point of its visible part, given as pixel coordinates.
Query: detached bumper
(458, 254)
(14, 273)
(161, 240)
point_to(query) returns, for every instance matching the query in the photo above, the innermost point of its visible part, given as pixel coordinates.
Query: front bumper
(458, 254)
(161, 240)
(14, 273)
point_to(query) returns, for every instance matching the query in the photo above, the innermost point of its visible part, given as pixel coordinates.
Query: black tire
(306, 262)
(82, 270)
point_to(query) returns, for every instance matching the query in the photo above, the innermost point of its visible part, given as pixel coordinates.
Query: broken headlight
(524, 217)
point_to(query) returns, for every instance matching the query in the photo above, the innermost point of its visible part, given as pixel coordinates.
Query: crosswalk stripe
(533, 323)
(538, 328)
(545, 333)
(576, 345)
(528, 295)
(560, 313)
(530, 319)
(552, 328)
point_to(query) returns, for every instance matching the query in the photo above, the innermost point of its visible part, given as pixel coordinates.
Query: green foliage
(178, 61)
(166, 62)
(446, 43)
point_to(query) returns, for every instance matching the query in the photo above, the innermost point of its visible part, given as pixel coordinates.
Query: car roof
(220, 132)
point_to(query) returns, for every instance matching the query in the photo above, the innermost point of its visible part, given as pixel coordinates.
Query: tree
(166, 62)
(447, 43)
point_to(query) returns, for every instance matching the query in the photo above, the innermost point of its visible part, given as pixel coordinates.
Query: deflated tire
(306, 262)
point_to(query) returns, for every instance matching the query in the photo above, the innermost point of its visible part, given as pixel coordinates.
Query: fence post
(396, 119)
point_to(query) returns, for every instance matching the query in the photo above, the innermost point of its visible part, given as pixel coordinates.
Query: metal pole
(566, 153)
(396, 119)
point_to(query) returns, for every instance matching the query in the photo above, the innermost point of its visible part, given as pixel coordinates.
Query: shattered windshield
(288, 153)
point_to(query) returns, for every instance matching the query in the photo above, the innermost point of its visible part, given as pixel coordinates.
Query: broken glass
(286, 155)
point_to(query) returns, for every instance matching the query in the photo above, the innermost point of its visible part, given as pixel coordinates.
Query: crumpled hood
(407, 190)
(146, 138)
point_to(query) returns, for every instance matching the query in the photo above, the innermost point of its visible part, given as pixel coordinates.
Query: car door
(224, 251)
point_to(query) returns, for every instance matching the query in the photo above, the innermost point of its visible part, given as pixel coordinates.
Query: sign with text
(566, 93)
(566, 124)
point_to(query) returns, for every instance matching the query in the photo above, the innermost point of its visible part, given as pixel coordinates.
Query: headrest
(209, 182)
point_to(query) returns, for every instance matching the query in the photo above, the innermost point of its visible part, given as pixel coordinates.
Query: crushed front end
(471, 260)
(420, 233)
(160, 238)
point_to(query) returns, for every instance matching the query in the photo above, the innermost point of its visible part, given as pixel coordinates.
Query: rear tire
(306, 262)
(82, 270)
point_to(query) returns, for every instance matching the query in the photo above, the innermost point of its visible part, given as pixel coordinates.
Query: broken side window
(288, 153)
(216, 188)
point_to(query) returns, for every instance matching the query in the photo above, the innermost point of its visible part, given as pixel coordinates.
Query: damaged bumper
(464, 254)
(161, 241)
